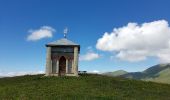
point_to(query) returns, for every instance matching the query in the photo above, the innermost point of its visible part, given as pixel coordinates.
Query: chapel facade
(62, 58)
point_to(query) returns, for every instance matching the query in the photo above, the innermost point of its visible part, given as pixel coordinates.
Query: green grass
(84, 87)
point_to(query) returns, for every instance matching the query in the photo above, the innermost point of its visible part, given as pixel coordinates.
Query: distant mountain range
(2, 76)
(158, 73)
(116, 73)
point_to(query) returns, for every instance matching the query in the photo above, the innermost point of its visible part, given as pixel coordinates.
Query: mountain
(158, 73)
(84, 87)
(115, 73)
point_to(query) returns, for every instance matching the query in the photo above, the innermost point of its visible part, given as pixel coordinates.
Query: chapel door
(62, 66)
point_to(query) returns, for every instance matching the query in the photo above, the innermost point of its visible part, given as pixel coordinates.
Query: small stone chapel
(62, 58)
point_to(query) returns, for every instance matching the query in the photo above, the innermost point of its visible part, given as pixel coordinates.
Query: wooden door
(62, 66)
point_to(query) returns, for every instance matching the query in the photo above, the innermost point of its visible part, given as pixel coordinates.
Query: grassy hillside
(115, 73)
(159, 73)
(162, 76)
(85, 87)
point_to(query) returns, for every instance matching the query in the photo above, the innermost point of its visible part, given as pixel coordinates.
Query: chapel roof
(62, 42)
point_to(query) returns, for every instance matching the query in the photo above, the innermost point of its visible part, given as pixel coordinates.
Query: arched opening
(62, 66)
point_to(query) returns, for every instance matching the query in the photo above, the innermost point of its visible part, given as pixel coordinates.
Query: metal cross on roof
(65, 32)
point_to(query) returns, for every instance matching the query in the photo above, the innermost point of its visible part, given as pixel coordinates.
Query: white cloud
(89, 56)
(11, 74)
(95, 71)
(135, 42)
(43, 32)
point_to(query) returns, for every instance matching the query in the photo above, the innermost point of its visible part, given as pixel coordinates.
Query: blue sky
(87, 21)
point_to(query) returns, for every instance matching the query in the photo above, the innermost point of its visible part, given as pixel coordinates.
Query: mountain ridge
(157, 73)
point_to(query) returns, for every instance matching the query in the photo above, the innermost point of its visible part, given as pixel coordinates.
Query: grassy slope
(158, 73)
(83, 87)
(116, 73)
(162, 77)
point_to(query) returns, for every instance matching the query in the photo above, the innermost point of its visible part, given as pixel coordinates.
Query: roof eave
(51, 45)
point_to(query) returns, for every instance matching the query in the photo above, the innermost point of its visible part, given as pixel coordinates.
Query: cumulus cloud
(11, 74)
(95, 72)
(89, 56)
(43, 32)
(137, 42)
